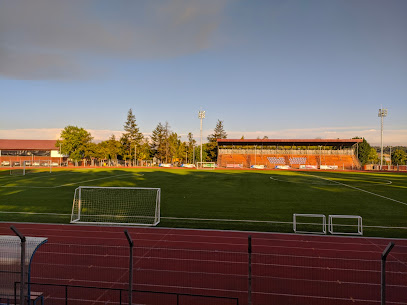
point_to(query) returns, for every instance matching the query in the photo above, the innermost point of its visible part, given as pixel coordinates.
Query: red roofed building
(14, 152)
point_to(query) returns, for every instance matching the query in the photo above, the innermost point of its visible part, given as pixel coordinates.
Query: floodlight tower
(381, 115)
(201, 116)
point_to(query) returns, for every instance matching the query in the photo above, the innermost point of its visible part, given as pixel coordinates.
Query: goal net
(116, 205)
(205, 165)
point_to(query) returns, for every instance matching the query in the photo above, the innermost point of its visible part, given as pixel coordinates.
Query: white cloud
(31, 134)
(392, 137)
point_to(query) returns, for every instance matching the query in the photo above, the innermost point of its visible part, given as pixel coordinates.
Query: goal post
(205, 165)
(116, 205)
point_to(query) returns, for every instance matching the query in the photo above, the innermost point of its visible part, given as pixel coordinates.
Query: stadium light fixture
(381, 115)
(201, 116)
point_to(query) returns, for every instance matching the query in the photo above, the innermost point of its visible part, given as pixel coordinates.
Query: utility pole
(381, 115)
(201, 116)
(390, 156)
(135, 152)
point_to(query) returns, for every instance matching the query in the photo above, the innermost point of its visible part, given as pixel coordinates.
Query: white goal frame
(331, 224)
(323, 224)
(201, 165)
(79, 210)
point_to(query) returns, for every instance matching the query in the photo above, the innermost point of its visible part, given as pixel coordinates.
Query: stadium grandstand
(289, 153)
(32, 152)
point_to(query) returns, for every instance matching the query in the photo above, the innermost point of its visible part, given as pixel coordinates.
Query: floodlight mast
(381, 115)
(201, 116)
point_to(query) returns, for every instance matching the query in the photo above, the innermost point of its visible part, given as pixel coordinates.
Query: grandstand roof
(290, 142)
(27, 144)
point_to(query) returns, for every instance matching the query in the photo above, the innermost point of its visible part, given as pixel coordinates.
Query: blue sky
(276, 68)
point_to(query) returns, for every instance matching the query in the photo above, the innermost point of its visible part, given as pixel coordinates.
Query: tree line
(163, 146)
(369, 155)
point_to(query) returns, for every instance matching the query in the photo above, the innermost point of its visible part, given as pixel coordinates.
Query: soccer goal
(26, 167)
(345, 224)
(42, 166)
(18, 169)
(116, 205)
(309, 223)
(205, 165)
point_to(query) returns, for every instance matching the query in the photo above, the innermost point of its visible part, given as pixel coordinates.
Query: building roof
(290, 142)
(27, 144)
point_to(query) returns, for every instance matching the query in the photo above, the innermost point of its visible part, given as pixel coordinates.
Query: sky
(289, 69)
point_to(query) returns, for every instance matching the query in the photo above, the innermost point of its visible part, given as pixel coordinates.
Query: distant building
(12, 151)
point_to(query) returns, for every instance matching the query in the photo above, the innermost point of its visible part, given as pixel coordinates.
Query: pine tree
(212, 147)
(132, 137)
(160, 144)
(218, 133)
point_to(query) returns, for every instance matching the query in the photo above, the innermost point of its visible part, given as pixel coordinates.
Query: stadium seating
(293, 160)
(298, 160)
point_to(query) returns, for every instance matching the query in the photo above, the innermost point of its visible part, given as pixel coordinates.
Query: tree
(113, 147)
(218, 133)
(132, 137)
(90, 151)
(176, 147)
(212, 147)
(144, 152)
(74, 141)
(373, 158)
(398, 157)
(191, 144)
(160, 145)
(365, 153)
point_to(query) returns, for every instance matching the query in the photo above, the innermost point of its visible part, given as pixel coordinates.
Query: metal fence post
(249, 251)
(22, 262)
(130, 266)
(383, 282)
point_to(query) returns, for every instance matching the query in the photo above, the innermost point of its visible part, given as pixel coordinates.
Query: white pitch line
(62, 185)
(356, 188)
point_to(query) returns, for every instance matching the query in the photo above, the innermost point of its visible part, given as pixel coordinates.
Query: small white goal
(349, 224)
(205, 165)
(309, 223)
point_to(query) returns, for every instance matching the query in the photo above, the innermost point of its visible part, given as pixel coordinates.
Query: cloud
(48, 39)
(393, 137)
(54, 134)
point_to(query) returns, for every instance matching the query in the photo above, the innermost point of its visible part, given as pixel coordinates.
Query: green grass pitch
(221, 199)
